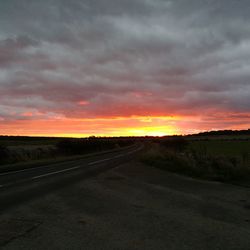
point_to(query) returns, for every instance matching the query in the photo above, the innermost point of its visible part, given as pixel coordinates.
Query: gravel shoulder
(132, 207)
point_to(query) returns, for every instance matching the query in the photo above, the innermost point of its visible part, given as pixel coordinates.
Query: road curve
(18, 185)
(129, 207)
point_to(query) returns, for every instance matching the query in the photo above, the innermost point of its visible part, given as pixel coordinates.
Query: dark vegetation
(175, 143)
(27, 140)
(224, 132)
(26, 149)
(72, 146)
(216, 155)
(222, 160)
(3, 154)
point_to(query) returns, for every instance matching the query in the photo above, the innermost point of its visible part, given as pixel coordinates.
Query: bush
(80, 146)
(177, 144)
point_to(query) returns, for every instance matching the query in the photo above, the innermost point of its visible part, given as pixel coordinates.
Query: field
(222, 147)
(224, 160)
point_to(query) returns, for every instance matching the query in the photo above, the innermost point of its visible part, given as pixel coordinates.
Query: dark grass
(221, 147)
(9, 141)
(217, 160)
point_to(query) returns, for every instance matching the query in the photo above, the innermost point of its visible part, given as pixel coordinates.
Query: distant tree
(79, 146)
(225, 132)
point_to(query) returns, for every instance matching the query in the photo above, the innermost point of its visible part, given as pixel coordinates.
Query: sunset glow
(118, 126)
(134, 68)
(135, 126)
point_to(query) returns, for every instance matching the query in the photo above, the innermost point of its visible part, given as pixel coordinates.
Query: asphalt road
(124, 205)
(19, 185)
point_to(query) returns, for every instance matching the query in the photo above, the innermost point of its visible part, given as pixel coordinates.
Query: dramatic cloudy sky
(124, 67)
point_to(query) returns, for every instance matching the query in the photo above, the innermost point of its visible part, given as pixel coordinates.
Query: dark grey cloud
(179, 57)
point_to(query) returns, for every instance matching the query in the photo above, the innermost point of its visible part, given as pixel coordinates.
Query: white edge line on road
(56, 172)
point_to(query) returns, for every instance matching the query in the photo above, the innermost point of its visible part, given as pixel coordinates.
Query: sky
(123, 67)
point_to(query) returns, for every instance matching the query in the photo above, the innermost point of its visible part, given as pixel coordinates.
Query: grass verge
(196, 164)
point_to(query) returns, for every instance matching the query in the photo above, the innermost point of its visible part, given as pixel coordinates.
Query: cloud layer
(69, 60)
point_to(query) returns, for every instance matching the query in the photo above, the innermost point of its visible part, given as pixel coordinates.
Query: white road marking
(96, 162)
(69, 169)
(53, 173)
(118, 156)
(27, 169)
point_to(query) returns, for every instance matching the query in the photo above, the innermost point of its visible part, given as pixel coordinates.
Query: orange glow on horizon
(117, 126)
(113, 126)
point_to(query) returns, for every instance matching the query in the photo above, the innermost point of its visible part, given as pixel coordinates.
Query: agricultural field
(222, 160)
(221, 147)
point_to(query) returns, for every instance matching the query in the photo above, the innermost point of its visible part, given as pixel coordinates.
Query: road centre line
(53, 173)
(27, 169)
(96, 162)
(69, 169)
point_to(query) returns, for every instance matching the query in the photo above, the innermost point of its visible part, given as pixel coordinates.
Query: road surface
(21, 184)
(129, 207)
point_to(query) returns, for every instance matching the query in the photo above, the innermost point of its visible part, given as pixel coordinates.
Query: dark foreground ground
(132, 207)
